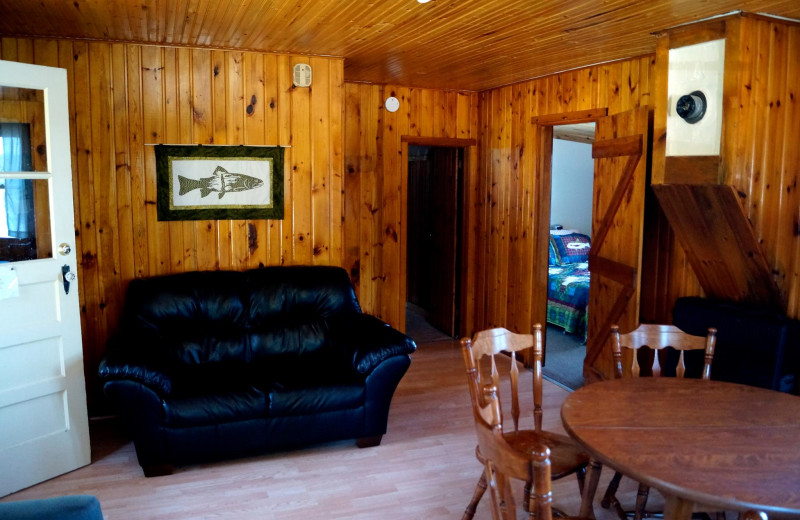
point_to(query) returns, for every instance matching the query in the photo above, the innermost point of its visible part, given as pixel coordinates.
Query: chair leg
(508, 508)
(581, 476)
(641, 502)
(610, 498)
(480, 489)
(526, 492)
(589, 489)
(611, 490)
(494, 493)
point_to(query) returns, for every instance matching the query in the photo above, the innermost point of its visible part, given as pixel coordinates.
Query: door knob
(64, 249)
(68, 277)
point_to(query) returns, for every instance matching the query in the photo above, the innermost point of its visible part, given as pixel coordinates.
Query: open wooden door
(620, 176)
(444, 227)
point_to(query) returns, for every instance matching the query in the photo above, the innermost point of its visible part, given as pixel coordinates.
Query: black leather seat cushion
(311, 400)
(215, 408)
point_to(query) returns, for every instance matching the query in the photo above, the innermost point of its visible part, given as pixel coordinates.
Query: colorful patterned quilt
(568, 296)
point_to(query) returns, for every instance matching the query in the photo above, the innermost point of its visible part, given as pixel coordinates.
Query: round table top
(719, 444)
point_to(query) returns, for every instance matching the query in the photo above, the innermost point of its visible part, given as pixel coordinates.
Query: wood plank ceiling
(457, 44)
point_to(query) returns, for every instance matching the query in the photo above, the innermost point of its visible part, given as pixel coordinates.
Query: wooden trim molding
(704, 169)
(618, 147)
(570, 118)
(438, 141)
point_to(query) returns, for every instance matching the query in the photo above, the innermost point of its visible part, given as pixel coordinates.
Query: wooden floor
(424, 468)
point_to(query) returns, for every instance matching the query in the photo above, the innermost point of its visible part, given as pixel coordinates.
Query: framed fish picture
(196, 182)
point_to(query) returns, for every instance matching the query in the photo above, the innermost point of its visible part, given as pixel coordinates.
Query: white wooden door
(44, 428)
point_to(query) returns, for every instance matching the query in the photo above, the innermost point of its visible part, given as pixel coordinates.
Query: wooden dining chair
(565, 456)
(655, 360)
(502, 461)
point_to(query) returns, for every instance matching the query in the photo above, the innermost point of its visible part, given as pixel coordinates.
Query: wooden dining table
(726, 446)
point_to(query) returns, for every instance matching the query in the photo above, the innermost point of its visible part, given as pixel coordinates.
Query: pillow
(571, 248)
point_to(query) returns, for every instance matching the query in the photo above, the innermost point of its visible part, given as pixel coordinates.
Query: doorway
(571, 194)
(433, 248)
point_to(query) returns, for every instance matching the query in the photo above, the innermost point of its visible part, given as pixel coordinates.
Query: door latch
(67, 277)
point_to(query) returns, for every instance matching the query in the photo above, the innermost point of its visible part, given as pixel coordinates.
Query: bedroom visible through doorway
(572, 176)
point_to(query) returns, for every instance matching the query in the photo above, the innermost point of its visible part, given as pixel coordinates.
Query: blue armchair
(72, 507)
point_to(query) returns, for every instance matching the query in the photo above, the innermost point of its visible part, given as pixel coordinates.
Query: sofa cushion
(310, 400)
(297, 291)
(292, 336)
(196, 410)
(220, 316)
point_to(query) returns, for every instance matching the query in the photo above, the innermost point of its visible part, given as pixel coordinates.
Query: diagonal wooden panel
(719, 242)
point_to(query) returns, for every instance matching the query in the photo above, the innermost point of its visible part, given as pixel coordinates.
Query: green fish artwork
(221, 181)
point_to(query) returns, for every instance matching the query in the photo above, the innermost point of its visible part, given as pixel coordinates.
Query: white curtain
(18, 192)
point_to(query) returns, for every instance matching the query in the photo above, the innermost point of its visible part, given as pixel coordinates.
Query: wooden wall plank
(84, 189)
(274, 229)
(254, 131)
(787, 254)
(203, 133)
(302, 184)
(392, 219)
(137, 140)
(235, 127)
(172, 135)
(286, 138)
(219, 135)
(124, 227)
(352, 179)
(103, 174)
(320, 162)
(371, 182)
(153, 110)
(186, 117)
(336, 163)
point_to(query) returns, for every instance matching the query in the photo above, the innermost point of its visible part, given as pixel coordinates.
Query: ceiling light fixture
(423, 1)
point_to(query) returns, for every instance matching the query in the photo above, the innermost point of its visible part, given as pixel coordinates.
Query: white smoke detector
(302, 75)
(392, 104)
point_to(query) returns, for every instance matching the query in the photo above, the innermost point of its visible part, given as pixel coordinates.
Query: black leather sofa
(220, 364)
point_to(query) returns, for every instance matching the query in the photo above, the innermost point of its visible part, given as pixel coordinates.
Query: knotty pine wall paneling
(374, 230)
(125, 97)
(510, 192)
(761, 152)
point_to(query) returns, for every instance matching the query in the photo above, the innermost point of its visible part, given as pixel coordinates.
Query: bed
(568, 281)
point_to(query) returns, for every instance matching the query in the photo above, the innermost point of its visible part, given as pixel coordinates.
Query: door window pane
(24, 220)
(22, 118)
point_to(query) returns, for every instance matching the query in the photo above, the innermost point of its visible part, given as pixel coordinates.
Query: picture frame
(198, 182)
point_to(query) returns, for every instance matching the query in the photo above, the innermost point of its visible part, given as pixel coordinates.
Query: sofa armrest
(367, 341)
(134, 360)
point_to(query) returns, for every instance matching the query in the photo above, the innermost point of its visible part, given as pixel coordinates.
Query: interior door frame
(543, 171)
(442, 142)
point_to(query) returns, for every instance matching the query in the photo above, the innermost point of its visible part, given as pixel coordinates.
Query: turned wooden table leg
(590, 488)
(677, 508)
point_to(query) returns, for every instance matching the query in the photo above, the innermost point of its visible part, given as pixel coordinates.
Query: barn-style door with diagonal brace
(620, 177)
